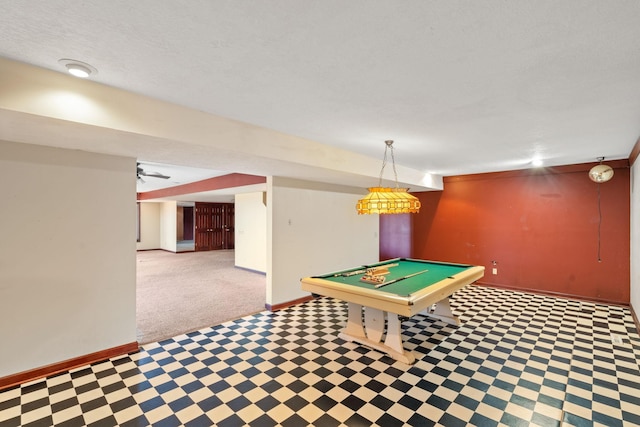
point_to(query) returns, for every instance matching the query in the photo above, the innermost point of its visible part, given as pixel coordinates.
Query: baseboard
(250, 270)
(552, 294)
(66, 365)
(277, 307)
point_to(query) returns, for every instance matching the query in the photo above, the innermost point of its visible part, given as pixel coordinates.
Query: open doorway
(185, 227)
(182, 292)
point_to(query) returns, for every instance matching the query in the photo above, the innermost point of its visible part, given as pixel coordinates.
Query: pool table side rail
(367, 297)
(455, 264)
(378, 298)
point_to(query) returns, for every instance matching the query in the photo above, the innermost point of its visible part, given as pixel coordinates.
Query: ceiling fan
(141, 173)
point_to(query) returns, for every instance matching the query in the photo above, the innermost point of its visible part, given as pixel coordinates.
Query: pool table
(410, 286)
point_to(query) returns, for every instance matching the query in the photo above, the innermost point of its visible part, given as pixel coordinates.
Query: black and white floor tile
(517, 360)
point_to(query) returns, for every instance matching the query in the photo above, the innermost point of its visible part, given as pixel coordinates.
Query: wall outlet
(495, 271)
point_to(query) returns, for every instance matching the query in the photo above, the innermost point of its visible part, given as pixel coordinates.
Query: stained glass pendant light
(387, 200)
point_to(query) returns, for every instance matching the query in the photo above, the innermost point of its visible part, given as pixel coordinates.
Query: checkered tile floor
(517, 360)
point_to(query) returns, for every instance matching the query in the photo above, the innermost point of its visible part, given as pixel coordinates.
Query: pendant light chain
(600, 174)
(384, 163)
(599, 217)
(393, 162)
(599, 223)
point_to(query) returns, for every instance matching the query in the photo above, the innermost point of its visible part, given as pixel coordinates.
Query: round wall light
(78, 68)
(601, 173)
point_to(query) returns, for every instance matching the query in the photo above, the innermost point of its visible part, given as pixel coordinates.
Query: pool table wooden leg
(354, 323)
(442, 311)
(370, 334)
(393, 340)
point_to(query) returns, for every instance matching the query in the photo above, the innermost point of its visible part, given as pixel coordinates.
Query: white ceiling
(461, 86)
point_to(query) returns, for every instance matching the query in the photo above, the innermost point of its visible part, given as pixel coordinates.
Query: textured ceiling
(462, 87)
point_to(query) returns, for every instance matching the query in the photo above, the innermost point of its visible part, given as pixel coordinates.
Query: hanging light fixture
(386, 200)
(601, 173)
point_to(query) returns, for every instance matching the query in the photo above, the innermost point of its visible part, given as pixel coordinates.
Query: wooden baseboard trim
(277, 307)
(552, 294)
(66, 365)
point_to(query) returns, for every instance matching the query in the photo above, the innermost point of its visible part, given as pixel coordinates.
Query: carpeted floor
(184, 292)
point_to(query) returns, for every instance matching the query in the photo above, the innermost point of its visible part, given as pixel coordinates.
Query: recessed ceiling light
(78, 68)
(537, 162)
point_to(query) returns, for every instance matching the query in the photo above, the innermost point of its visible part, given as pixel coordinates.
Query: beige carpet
(184, 292)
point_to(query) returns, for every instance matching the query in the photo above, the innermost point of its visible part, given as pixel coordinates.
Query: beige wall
(168, 229)
(251, 231)
(67, 254)
(149, 226)
(61, 110)
(313, 229)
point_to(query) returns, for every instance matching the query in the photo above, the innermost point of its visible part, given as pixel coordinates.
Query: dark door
(204, 227)
(215, 226)
(228, 223)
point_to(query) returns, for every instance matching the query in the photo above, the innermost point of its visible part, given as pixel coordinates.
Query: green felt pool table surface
(435, 272)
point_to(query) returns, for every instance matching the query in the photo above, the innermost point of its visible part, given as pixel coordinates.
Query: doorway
(185, 227)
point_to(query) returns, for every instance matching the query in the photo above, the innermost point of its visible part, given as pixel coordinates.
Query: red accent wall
(539, 226)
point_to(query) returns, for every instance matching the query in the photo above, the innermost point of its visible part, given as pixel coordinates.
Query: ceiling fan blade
(154, 175)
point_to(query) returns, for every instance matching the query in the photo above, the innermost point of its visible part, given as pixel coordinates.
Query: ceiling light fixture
(601, 173)
(537, 162)
(78, 68)
(386, 200)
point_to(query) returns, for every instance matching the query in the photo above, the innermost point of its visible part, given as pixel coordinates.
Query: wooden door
(217, 211)
(203, 227)
(228, 221)
(215, 226)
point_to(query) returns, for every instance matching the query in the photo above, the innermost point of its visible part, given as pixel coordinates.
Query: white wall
(313, 229)
(635, 237)
(67, 254)
(149, 226)
(251, 231)
(168, 226)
